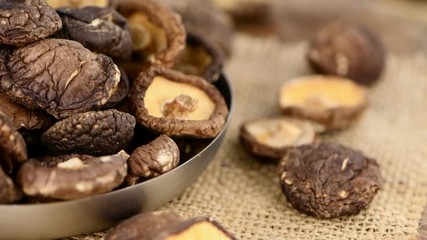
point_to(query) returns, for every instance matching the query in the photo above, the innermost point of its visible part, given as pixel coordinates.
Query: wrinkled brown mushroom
(348, 50)
(72, 176)
(13, 150)
(205, 19)
(157, 32)
(272, 137)
(168, 225)
(329, 180)
(333, 102)
(60, 76)
(23, 117)
(94, 132)
(78, 3)
(170, 102)
(101, 30)
(26, 21)
(153, 159)
(9, 193)
(200, 57)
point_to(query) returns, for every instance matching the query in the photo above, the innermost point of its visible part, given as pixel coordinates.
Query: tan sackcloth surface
(244, 194)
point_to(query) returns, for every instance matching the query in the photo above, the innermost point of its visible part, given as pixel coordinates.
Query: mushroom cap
(331, 101)
(201, 57)
(165, 19)
(100, 29)
(348, 50)
(59, 76)
(26, 21)
(72, 176)
(270, 138)
(328, 180)
(94, 132)
(207, 126)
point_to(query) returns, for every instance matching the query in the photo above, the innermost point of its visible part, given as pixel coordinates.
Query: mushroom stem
(180, 107)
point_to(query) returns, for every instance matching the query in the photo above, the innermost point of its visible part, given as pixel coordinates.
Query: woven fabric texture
(244, 194)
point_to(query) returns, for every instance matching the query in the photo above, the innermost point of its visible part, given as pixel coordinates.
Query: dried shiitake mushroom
(100, 29)
(153, 159)
(200, 57)
(272, 137)
(170, 102)
(78, 3)
(23, 117)
(57, 75)
(9, 193)
(167, 225)
(328, 180)
(348, 50)
(72, 176)
(13, 149)
(205, 19)
(157, 32)
(26, 21)
(94, 132)
(331, 101)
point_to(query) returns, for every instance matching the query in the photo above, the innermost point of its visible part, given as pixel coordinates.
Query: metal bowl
(70, 218)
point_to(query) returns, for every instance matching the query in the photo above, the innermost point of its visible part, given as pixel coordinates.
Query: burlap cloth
(244, 194)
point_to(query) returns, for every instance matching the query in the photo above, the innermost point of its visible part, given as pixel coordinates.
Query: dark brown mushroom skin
(172, 126)
(201, 57)
(348, 50)
(101, 30)
(9, 193)
(329, 180)
(26, 21)
(59, 76)
(13, 150)
(153, 159)
(143, 226)
(23, 117)
(96, 175)
(95, 133)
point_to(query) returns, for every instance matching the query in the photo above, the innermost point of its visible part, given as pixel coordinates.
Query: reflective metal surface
(70, 218)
